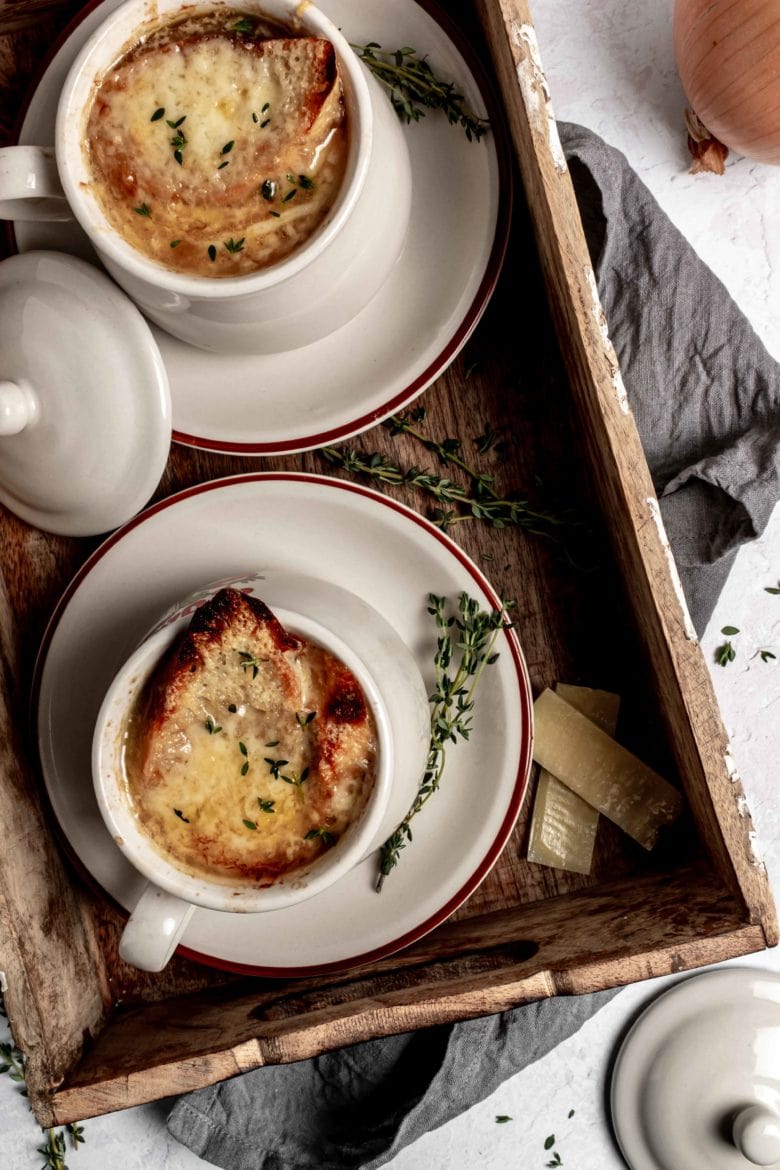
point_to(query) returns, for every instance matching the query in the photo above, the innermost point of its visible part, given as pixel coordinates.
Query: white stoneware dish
(85, 408)
(696, 1082)
(158, 921)
(299, 399)
(375, 556)
(308, 295)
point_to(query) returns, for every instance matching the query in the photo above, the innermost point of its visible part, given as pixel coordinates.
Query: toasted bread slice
(253, 750)
(241, 112)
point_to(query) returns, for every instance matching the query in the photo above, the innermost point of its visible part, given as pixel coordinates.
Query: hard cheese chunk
(563, 825)
(606, 775)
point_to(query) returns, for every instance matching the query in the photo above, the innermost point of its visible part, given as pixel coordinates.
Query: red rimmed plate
(421, 318)
(387, 555)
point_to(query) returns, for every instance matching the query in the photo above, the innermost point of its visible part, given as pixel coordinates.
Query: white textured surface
(610, 67)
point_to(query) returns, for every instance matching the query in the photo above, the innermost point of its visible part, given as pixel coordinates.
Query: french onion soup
(217, 143)
(250, 751)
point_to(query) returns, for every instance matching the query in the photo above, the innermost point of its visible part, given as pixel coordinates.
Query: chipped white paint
(536, 92)
(655, 514)
(743, 811)
(731, 768)
(609, 350)
(756, 857)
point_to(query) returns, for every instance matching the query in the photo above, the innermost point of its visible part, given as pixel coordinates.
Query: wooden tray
(99, 1036)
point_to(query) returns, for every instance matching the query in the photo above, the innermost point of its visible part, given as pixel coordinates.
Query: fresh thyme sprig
(457, 503)
(413, 88)
(465, 646)
(54, 1150)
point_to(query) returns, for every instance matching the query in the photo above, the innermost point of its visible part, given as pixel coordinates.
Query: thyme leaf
(54, 1147)
(465, 647)
(325, 836)
(414, 88)
(725, 654)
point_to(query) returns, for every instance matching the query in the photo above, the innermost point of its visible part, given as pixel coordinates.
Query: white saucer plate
(355, 539)
(417, 323)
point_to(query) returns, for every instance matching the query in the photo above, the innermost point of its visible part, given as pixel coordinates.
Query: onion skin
(728, 58)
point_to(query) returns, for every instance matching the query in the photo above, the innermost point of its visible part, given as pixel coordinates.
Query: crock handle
(154, 929)
(30, 187)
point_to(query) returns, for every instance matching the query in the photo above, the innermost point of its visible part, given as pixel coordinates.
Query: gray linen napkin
(705, 394)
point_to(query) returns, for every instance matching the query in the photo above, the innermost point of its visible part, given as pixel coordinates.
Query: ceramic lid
(696, 1083)
(85, 413)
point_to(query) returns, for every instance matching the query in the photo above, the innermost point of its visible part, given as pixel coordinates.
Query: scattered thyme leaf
(325, 835)
(226, 149)
(250, 825)
(245, 768)
(304, 720)
(290, 195)
(293, 777)
(181, 816)
(273, 743)
(266, 806)
(250, 662)
(223, 164)
(144, 210)
(242, 748)
(268, 190)
(729, 630)
(570, 1114)
(772, 589)
(274, 766)
(158, 113)
(305, 182)
(175, 126)
(264, 123)
(766, 655)
(234, 246)
(175, 243)
(177, 154)
(725, 654)
(232, 708)
(244, 25)
(211, 727)
(486, 441)
(413, 88)
(549, 1142)
(501, 1118)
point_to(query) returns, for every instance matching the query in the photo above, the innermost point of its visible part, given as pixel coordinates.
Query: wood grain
(101, 1036)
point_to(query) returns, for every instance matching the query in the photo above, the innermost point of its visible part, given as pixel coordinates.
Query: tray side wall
(51, 967)
(684, 688)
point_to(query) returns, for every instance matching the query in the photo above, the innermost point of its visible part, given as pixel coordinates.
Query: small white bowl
(396, 695)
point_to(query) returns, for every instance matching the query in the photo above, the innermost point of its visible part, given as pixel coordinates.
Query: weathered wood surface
(683, 686)
(528, 931)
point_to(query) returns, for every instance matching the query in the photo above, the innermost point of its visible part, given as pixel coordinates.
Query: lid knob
(756, 1133)
(18, 407)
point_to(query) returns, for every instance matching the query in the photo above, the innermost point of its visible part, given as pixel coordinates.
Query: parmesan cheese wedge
(563, 825)
(606, 775)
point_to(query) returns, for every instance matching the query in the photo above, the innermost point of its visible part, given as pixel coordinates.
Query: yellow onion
(728, 58)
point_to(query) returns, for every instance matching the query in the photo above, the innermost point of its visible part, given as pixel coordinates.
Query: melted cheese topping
(257, 774)
(215, 151)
